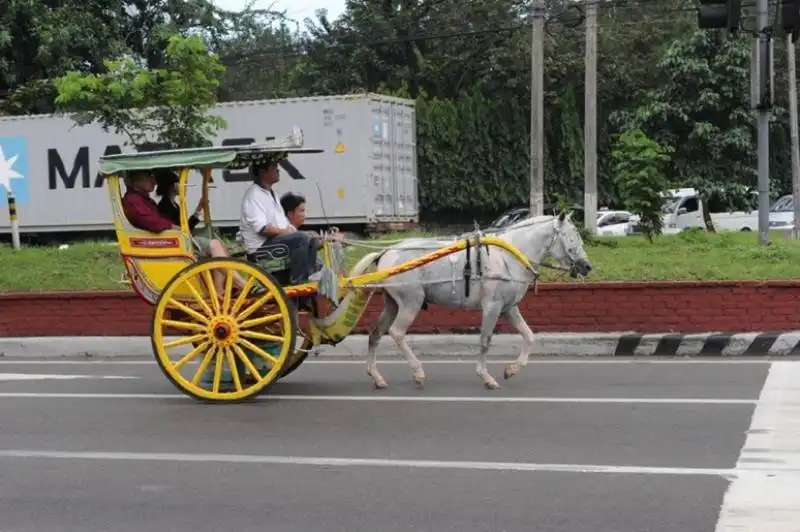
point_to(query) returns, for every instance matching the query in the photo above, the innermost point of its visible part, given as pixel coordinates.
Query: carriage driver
(263, 222)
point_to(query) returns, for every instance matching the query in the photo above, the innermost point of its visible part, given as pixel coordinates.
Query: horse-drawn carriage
(233, 345)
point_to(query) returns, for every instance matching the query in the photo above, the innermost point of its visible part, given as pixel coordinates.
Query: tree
(259, 57)
(639, 176)
(701, 109)
(167, 106)
(42, 39)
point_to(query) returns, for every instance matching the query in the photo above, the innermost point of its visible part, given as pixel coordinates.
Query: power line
(306, 45)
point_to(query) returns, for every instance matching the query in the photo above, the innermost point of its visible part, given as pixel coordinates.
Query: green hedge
(473, 157)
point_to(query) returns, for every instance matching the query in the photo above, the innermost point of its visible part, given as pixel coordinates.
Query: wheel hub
(222, 331)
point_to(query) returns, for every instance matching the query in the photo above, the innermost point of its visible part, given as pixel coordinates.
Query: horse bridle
(548, 251)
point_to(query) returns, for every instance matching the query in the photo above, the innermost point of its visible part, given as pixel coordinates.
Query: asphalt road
(567, 446)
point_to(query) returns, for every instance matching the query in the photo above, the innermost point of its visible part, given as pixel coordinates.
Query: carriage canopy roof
(233, 157)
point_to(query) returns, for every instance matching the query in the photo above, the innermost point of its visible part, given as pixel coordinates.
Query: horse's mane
(530, 220)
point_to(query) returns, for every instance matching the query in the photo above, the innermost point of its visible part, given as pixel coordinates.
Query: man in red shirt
(140, 209)
(142, 212)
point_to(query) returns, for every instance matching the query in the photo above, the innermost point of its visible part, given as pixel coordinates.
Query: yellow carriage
(233, 345)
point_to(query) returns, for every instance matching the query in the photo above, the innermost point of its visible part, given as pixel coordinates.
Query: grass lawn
(688, 256)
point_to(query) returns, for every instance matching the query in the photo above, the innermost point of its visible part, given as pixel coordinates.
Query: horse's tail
(368, 260)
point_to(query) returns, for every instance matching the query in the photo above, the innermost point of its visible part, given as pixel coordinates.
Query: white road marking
(55, 376)
(373, 462)
(769, 503)
(151, 362)
(397, 398)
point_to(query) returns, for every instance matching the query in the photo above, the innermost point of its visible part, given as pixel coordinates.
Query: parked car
(609, 222)
(615, 223)
(781, 214)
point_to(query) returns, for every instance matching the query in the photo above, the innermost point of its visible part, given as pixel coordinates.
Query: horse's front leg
(406, 315)
(491, 313)
(514, 317)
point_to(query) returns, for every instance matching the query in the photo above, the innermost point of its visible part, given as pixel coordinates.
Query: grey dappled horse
(503, 284)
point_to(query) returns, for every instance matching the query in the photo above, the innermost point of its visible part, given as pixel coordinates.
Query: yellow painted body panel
(151, 260)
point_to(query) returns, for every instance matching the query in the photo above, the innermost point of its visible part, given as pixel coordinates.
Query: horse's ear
(562, 215)
(569, 216)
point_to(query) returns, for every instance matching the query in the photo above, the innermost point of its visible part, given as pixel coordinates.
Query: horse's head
(567, 248)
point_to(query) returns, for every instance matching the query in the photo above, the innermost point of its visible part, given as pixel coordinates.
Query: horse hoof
(491, 385)
(420, 381)
(381, 384)
(508, 373)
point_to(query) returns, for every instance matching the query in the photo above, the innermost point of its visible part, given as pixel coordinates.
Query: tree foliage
(639, 176)
(167, 105)
(702, 111)
(467, 65)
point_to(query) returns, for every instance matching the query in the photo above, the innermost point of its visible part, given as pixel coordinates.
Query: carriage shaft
(381, 275)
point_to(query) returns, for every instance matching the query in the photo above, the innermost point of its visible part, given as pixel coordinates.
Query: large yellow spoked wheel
(232, 342)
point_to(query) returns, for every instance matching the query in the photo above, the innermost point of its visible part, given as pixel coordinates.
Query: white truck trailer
(366, 178)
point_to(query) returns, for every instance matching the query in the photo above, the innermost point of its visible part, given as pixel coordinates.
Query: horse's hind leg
(514, 317)
(380, 328)
(491, 312)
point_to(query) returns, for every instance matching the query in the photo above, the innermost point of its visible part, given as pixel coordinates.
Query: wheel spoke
(199, 298)
(234, 371)
(248, 285)
(191, 312)
(261, 336)
(226, 300)
(265, 320)
(257, 350)
(254, 307)
(212, 290)
(243, 357)
(217, 371)
(191, 355)
(189, 326)
(204, 365)
(185, 340)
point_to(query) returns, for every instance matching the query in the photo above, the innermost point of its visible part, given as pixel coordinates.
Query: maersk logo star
(14, 170)
(7, 172)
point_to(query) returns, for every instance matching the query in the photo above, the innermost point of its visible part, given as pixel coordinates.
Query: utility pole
(590, 124)
(794, 136)
(764, 106)
(537, 109)
(790, 20)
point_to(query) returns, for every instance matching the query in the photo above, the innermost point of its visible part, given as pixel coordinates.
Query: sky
(296, 9)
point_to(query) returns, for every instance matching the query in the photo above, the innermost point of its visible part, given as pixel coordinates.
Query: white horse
(498, 284)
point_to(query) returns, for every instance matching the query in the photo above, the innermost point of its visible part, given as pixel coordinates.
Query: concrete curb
(620, 344)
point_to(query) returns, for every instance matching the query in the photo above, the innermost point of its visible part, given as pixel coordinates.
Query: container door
(404, 161)
(382, 182)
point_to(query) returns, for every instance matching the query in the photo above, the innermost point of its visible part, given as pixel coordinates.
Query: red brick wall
(592, 307)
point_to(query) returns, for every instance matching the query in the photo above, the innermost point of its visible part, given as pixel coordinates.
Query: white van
(682, 209)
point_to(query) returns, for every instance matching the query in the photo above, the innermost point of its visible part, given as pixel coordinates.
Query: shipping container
(367, 175)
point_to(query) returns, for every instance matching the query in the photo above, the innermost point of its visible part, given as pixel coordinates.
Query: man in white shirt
(263, 222)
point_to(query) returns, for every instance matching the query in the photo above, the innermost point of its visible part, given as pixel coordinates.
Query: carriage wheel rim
(224, 331)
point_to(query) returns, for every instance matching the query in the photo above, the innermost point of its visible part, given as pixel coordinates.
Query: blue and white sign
(13, 169)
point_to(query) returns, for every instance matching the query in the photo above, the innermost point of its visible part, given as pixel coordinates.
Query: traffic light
(790, 18)
(717, 14)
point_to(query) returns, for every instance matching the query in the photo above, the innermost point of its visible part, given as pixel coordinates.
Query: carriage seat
(271, 258)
